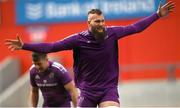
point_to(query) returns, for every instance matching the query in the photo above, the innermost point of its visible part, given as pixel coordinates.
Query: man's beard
(99, 36)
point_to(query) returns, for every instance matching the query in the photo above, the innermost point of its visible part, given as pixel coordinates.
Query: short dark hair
(37, 56)
(95, 11)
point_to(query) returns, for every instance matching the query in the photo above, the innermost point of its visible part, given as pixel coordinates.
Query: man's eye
(98, 21)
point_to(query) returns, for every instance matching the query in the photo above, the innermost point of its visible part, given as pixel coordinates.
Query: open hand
(14, 44)
(165, 9)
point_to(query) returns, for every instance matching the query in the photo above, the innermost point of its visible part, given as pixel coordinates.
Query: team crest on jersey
(88, 41)
(37, 77)
(51, 75)
(106, 37)
(44, 81)
(80, 99)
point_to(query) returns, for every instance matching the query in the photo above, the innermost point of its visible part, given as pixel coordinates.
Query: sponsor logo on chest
(48, 81)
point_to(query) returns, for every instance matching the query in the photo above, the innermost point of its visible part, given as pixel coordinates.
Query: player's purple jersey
(95, 63)
(51, 83)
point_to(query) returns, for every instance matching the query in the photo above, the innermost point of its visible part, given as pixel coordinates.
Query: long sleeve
(65, 44)
(137, 27)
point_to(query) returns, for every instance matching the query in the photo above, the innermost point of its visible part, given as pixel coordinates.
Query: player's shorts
(66, 103)
(94, 98)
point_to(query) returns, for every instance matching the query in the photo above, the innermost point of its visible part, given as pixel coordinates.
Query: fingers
(171, 8)
(14, 44)
(10, 40)
(8, 43)
(11, 44)
(12, 47)
(169, 3)
(18, 37)
(19, 40)
(160, 5)
(14, 40)
(17, 34)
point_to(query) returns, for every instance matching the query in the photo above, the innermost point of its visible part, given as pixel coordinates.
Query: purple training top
(95, 63)
(51, 83)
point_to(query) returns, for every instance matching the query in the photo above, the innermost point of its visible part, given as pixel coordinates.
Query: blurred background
(149, 61)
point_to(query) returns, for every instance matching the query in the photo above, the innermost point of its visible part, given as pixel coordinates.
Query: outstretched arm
(161, 12)
(65, 44)
(145, 22)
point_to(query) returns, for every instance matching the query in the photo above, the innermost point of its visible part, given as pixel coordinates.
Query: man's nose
(101, 23)
(37, 67)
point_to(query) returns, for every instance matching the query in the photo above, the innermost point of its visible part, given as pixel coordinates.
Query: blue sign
(48, 11)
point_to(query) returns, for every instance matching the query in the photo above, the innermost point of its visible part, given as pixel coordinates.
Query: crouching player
(54, 82)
